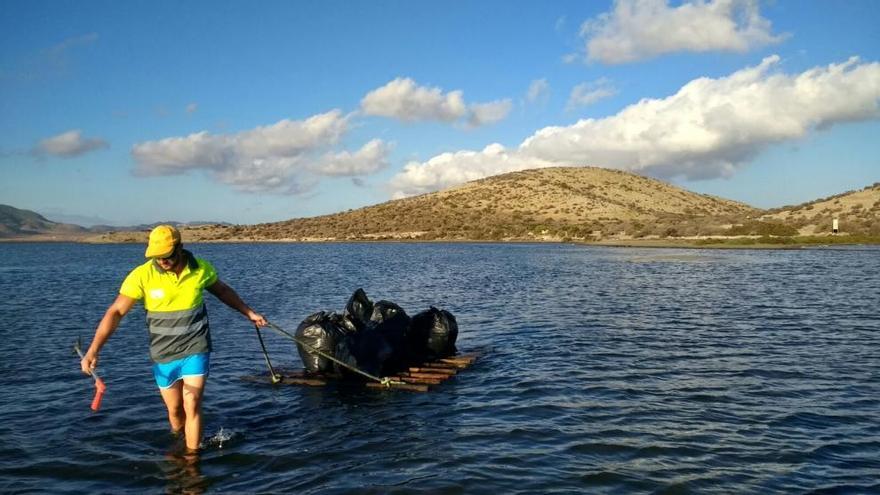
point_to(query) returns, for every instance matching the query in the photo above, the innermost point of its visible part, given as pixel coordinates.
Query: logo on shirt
(157, 293)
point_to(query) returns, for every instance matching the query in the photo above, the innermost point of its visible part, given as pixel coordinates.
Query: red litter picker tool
(99, 384)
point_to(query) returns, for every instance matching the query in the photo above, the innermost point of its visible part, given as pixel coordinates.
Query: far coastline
(197, 236)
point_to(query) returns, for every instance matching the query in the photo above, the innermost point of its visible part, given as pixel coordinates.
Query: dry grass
(554, 204)
(547, 204)
(858, 213)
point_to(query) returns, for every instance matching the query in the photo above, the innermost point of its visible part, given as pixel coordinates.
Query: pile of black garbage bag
(378, 338)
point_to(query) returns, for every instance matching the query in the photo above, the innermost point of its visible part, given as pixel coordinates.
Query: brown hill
(548, 203)
(18, 223)
(557, 204)
(858, 212)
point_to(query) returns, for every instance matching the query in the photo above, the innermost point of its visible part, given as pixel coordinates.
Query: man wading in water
(171, 285)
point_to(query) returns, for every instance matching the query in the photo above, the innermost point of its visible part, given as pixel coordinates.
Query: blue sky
(247, 112)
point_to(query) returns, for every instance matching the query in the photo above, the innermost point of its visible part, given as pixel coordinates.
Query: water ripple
(601, 371)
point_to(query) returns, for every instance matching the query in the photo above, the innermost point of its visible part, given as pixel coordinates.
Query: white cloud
(570, 58)
(641, 29)
(69, 144)
(294, 137)
(587, 93)
(371, 158)
(709, 128)
(405, 100)
(489, 113)
(449, 169)
(539, 89)
(278, 158)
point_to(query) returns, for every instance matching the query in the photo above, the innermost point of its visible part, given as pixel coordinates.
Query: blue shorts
(168, 373)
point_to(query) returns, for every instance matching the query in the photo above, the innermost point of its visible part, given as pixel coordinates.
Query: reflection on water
(184, 474)
(601, 370)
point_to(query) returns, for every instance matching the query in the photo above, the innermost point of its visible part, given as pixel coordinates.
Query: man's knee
(192, 399)
(175, 410)
(192, 407)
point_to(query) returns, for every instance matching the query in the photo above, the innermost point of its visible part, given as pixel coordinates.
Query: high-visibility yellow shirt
(164, 290)
(176, 312)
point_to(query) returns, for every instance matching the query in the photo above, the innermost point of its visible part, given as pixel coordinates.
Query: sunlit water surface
(600, 371)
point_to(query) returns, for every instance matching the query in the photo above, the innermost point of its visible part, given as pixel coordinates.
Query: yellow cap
(163, 240)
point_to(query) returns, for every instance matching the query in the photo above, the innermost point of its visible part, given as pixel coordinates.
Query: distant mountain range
(541, 204)
(18, 223)
(21, 224)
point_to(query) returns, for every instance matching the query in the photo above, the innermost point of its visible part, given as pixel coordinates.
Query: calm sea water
(601, 371)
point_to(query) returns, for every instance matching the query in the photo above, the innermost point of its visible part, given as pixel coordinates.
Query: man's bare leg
(173, 397)
(193, 388)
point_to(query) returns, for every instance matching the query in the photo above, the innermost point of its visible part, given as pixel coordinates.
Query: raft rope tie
(386, 382)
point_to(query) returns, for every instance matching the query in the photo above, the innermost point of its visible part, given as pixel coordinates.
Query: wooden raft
(416, 379)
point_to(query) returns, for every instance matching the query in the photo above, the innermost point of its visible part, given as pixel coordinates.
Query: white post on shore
(834, 228)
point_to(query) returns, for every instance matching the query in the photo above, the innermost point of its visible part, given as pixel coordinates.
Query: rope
(387, 382)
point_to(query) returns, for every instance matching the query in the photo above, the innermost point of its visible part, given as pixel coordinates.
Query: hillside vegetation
(549, 204)
(858, 213)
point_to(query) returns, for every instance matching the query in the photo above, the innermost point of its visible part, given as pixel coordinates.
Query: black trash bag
(432, 334)
(392, 323)
(321, 331)
(358, 309)
(367, 350)
(385, 310)
(345, 323)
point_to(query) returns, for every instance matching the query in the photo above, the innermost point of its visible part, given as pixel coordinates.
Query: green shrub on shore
(739, 241)
(763, 229)
(791, 241)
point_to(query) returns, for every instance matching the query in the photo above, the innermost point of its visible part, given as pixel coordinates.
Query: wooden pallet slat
(412, 387)
(444, 371)
(416, 379)
(424, 381)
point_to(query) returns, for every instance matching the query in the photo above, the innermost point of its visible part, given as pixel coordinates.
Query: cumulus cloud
(405, 100)
(279, 158)
(68, 145)
(709, 128)
(539, 89)
(488, 113)
(449, 169)
(587, 93)
(371, 158)
(641, 29)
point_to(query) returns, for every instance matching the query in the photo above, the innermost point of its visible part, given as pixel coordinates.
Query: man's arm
(109, 324)
(231, 299)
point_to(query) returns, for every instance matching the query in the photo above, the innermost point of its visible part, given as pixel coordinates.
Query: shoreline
(711, 243)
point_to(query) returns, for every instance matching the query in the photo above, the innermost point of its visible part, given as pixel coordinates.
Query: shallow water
(602, 370)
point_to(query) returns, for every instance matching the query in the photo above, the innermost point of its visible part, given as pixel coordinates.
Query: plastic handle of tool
(99, 394)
